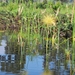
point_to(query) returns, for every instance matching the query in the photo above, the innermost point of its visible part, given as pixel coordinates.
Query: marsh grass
(42, 26)
(73, 45)
(32, 18)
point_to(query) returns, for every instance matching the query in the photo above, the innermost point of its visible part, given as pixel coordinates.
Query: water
(34, 66)
(31, 67)
(30, 63)
(2, 47)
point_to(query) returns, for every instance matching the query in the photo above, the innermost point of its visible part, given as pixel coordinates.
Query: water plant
(50, 22)
(30, 25)
(73, 52)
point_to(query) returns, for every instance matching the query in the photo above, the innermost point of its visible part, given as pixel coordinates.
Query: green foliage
(13, 37)
(12, 6)
(3, 4)
(41, 5)
(30, 19)
(56, 5)
(65, 21)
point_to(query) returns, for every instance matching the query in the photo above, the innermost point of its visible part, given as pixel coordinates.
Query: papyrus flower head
(49, 20)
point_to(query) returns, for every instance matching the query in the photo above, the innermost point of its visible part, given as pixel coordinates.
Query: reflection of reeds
(48, 72)
(23, 73)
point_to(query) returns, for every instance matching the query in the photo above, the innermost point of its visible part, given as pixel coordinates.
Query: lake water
(31, 64)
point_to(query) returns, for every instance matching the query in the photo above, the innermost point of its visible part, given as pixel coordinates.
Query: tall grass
(73, 53)
(38, 25)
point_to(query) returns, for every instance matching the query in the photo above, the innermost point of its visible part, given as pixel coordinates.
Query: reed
(39, 26)
(73, 53)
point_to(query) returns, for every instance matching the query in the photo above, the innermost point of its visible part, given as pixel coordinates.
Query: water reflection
(23, 72)
(48, 72)
(31, 62)
(2, 47)
(34, 66)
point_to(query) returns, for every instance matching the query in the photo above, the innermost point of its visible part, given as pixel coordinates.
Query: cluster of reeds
(49, 26)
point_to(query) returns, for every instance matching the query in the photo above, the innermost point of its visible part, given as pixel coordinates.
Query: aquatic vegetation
(73, 43)
(48, 72)
(67, 53)
(49, 20)
(24, 73)
(32, 24)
